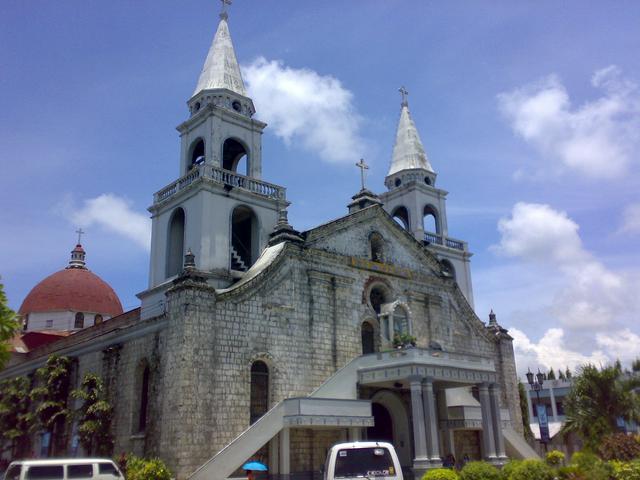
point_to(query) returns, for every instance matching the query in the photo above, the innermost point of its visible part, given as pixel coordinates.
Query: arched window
(401, 216)
(197, 153)
(234, 156)
(447, 269)
(175, 244)
(79, 322)
(400, 321)
(259, 401)
(97, 319)
(377, 297)
(368, 338)
(144, 399)
(244, 238)
(430, 220)
(376, 244)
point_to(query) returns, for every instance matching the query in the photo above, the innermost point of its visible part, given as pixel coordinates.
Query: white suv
(63, 469)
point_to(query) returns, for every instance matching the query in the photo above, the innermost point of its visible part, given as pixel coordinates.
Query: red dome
(72, 289)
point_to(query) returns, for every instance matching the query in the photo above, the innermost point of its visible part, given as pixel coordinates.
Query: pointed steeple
(221, 68)
(408, 151)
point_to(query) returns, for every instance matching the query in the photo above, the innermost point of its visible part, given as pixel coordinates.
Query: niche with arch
(368, 337)
(175, 243)
(430, 219)
(259, 390)
(235, 156)
(401, 216)
(244, 238)
(142, 393)
(400, 320)
(376, 247)
(448, 269)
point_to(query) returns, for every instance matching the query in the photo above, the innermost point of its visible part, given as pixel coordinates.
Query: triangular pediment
(350, 236)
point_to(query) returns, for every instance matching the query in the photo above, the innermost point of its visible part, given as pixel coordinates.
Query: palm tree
(598, 399)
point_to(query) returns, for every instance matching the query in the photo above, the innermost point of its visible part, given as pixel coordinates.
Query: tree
(8, 326)
(524, 410)
(51, 397)
(561, 375)
(15, 416)
(568, 374)
(551, 375)
(597, 400)
(635, 365)
(95, 414)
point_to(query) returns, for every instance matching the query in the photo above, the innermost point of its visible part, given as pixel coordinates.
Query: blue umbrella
(256, 466)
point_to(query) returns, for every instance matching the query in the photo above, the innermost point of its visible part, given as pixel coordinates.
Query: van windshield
(364, 462)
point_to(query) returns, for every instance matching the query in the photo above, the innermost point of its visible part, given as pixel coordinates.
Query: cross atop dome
(223, 11)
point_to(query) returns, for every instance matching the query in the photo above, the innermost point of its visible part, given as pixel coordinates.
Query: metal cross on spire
(403, 91)
(223, 11)
(362, 166)
(80, 232)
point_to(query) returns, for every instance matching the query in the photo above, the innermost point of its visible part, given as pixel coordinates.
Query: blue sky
(529, 112)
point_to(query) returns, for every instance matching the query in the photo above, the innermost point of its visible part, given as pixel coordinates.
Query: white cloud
(114, 214)
(304, 107)
(623, 345)
(598, 139)
(551, 351)
(631, 219)
(591, 295)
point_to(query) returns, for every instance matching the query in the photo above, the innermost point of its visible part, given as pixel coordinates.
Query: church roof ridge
(221, 69)
(408, 150)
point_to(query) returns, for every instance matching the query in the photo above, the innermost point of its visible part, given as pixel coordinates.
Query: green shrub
(554, 458)
(146, 469)
(509, 467)
(479, 471)
(590, 467)
(619, 446)
(625, 470)
(532, 470)
(570, 472)
(440, 474)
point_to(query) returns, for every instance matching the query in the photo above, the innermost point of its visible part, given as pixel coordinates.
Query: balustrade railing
(438, 239)
(224, 177)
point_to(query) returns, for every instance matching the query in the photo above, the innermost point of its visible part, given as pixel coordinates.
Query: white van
(367, 460)
(63, 469)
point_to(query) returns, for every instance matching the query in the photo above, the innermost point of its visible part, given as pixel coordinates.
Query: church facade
(256, 340)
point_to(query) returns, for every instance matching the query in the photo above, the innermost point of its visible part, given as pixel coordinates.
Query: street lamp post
(543, 421)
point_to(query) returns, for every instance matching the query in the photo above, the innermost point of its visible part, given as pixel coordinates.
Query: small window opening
(259, 390)
(144, 399)
(236, 106)
(401, 216)
(98, 319)
(398, 182)
(377, 247)
(234, 157)
(244, 238)
(427, 180)
(79, 321)
(377, 297)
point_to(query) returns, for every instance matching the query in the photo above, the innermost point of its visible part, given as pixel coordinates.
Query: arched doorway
(368, 338)
(175, 243)
(244, 238)
(382, 429)
(401, 433)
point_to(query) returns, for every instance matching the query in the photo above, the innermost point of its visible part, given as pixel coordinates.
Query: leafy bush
(146, 469)
(532, 470)
(509, 467)
(590, 466)
(440, 474)
(625, 470)
(619, 446)
(479, 471)
(570, 473)
(554, 458)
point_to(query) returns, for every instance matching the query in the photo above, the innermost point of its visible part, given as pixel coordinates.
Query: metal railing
(223, 177)
(437, 239)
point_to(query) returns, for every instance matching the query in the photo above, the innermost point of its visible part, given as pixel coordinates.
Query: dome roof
(74, 289)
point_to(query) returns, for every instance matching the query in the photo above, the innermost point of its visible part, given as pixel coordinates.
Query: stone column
(354, 434)
(421, 460)
(431, 420)
(494, 392)
(274, 456)
(487, 423)
(285, 453)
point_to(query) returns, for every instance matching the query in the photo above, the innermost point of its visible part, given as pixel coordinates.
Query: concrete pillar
(274, 456)
(354, 434)
(285, 453)
(554, 408)
(421, 460)
(431, 420)
(494, 392)
(527, 391)
(487, 423)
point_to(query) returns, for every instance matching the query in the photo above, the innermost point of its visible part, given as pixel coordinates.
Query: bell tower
(414, 201)
(219, 208)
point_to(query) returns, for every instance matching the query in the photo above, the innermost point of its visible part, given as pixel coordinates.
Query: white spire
(408, 152)
(221, 68)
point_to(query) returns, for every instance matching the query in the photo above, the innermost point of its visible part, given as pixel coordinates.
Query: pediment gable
(351, 236)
